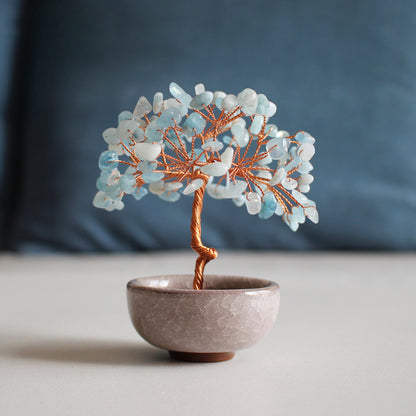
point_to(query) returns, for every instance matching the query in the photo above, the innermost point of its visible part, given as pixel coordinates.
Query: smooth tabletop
(344, 342)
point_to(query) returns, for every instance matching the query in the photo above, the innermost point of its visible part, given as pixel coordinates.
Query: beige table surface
(344, 342)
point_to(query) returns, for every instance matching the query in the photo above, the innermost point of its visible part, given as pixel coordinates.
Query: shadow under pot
(208, 325)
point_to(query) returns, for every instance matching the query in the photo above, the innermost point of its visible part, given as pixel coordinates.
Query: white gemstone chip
(193, 186)
(253, 203)
(110, 136)
(157, 102)
(312, 214)
(266, 160)
(229, 102)
(173, 186)
(271, 111)
(218, 97)
(215, 168)
(227, 156)
(302, 199)
(256, 125)
(212, 145)
(304, 188)
(142, 107)
(278, 176)
(199, 88)
(305, 179)
(147, 151)
(118, 148)
(157, 187)
(306, 151)
(234, 189)
(248, 100)
(289, 183)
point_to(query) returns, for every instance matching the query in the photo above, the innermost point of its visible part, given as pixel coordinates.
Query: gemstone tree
(214, 142)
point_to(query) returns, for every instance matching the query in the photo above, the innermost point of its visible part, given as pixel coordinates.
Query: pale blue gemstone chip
(101, 185)
(268, 206)
(146, 167)
(152, 177)
(171, 196)
(113, 191)
(201, 100)
(194, 121)
(108, 160)
(125, 115)
(127, 183)
(153, 133)
(169, 117)
(140, 193)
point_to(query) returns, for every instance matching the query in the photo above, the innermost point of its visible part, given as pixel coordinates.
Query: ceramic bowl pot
(229, 314)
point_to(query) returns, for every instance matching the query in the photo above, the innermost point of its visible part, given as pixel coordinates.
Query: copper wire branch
(205, 253)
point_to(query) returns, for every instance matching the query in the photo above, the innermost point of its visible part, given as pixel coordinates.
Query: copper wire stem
(205, 253)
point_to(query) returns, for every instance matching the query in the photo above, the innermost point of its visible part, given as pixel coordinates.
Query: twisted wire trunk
(205, 253)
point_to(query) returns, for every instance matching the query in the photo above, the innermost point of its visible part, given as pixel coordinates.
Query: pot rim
(266, 285)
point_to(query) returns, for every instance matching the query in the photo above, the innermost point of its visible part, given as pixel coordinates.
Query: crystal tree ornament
(215, 142)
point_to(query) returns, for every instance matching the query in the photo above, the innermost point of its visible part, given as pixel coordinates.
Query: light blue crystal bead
(212, 145)
(201, 100)
(140, 193)
(256, 125)
(115, 204)
(194, 121)
(218, 97)
(108, 160)
(298, 214)
(157, 102)
(268, 206)
(229, 102)
(138, 135)
(312, 214)
(125, 115)
(185, 100)
(227, 139)
(276, 148)
(263, 104)
(127, 183)
(113, 191)
(171, 196)
(293, 164)
(101, 200)
(105, 175)
(169, 117)
(176, 90)
(272, 130)
(305, 167)
(303, 137)
(240, 200)
(279, 210)
(152, 177)
(290, 221)
(248, 100)
(146, 167)
(110, 136)
(302, 199)
(101, 185)
(153, 133)
(142, 107)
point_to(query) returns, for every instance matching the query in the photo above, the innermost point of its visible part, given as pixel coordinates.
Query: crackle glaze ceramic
(229, 314)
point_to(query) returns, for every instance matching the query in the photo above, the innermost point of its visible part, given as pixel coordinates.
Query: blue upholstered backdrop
(344, 71)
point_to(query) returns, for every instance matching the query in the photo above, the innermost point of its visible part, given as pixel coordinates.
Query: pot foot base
(201, 357)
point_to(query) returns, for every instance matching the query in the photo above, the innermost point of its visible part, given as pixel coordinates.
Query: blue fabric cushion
(343, 71)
